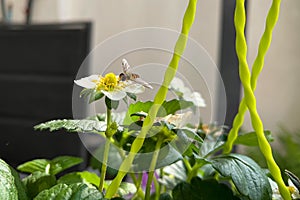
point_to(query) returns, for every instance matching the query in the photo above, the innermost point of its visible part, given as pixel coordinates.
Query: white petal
(296, 193)
(115, 95)
(194, 97)
(177, 84)
(87, 82)
(134, 88)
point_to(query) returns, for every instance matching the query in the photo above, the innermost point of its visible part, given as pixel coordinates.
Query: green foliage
(51, 167)
(131, 96)
(93, 94)
(202, 189)
(10, 185)
(77, 191)
(111, 104)
(124, 189)
(250, 139)
(80, 177)
(73, 125)
(21, 190)
(168, 107)
(211, 145)
(286, 151)
(173, 175)
(165, 196)
(248, 177)
(37, 182)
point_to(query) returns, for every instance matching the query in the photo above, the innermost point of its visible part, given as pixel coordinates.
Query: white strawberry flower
(110, 86)
(185, 93)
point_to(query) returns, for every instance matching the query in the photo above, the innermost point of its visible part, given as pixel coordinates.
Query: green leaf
(111, 104)
(34, 165)
(187, 141)
(37, 182)
(19, 185)
(8, 189)
(80, 177)
(96, 95)
(52, 167)
(86, 92)
(202, 189)
(134, 108)
(124, 189)
(131, 96)
(250, 139)
(76, 191)
(114, 160)
(73, 125)
(211, 145)
(62, 163)
(173, 175)
(248, 177)
(167, 156)
(168, 107)
(165, 196)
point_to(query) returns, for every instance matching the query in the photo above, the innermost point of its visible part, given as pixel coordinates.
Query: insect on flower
(128, 76)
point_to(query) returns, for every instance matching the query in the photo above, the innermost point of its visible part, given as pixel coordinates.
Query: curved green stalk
(256, 69)
(250, 100)
(138, 183)
(157, 188)
(106, 151)
(152, 168)
(159, 98)
(193, 172)
(104, 164)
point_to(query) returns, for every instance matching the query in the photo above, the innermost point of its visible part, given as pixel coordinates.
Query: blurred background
(277, 89)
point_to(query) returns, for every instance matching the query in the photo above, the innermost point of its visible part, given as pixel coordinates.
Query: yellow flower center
(108, 83)
(291, 189)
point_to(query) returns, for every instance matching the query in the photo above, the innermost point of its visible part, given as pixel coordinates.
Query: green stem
(158, 100)
(137, 182)
(187, 165)
(193, 172)
(157, 188)
(162, 187)
(250, 100)
(152, 168)
(106, 151)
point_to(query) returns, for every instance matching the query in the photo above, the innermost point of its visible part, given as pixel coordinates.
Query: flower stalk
(159, 98)
(106, 150)
(250, 100)
(152, 168)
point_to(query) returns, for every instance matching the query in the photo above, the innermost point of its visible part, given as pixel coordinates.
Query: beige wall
(277, 90)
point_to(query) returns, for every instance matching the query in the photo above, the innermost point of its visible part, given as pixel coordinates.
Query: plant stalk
(193, 172)
(152, 169)
(106, 151)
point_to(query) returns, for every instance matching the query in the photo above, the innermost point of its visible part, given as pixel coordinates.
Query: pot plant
(186, 161)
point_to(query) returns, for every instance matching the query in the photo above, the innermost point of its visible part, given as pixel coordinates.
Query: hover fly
(127, 75)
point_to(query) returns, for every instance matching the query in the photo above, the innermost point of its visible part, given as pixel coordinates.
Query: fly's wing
(142, 82)
(131, 76)
(125, 65)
